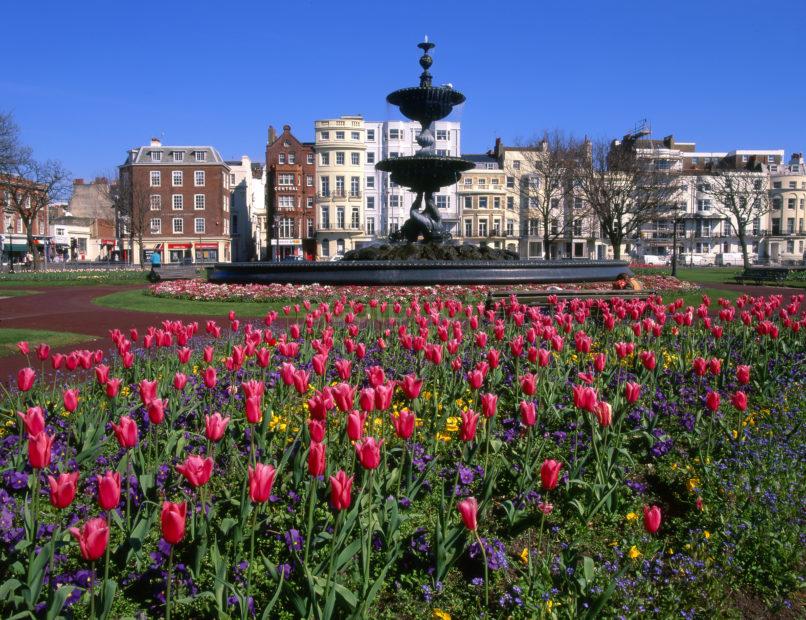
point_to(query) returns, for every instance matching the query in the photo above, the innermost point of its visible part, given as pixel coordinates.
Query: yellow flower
(443, 437)
(734, 433)
(693, 483)
(549, 605)
(707, 534)
(525, 555)
(634, 553)
(670, 551)
(441, 615)
(452, 424)
(631, 516)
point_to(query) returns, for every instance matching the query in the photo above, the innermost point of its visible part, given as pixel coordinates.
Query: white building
(248, 209)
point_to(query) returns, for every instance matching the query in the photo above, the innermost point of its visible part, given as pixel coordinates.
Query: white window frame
(177, 199)
(178, 156)
(355, 159)
(181, 222)
(155, 230)
(177, 174)
(155, 175)
(155, 202)
(197, 176)
(196, 229)
(309, 158)
(156, 156)
(201, 156)
(199, 202)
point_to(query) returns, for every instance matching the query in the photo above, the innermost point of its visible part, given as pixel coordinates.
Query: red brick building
(179, 202)
(291, 193)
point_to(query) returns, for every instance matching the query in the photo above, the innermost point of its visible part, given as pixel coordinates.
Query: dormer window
(156, 155)
(201, 156)
(178, 155)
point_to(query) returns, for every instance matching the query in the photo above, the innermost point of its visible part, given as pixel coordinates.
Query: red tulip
(70, 398)
(63, 490)
(493, 358)
(468, 508)
(411, 386)
(23, 347)
(599, 362)
(528, 383)
(715, 366)
(148, 391)
(470, 420)
(550, 473)
(33, 420)
(383, 396)
(126, 432)
(699, 365)
(173, 522)
(56, 361)
(92, 538)
(344, 367)
(404, 423)
(340, 490)
(180, 380)
(42, 352)
(632, 391)
(743, 374)
(584, 398)
(317, 429)
(712, 400)
(528, 413)
(604, 413)
(376, 376)
(254, 415)
(102, 374)
(39, 450)
(489, 404)
(543, 357)
(253, 388)
(301, 378)
(316, 459)
(113, 387)
(25, 379)
(196, 469)
(156, 411)
(109, 490)
(475, 378)
(343, 396)
(739, 400)
(208, 354)
(210, 377)
(366, 399)
(355, 424)
(261, 480)
(214, 426)
(652, 519)
(648, 359)
(368, 450)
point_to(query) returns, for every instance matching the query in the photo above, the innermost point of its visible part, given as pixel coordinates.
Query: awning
(108, 242)
(206, 246)
(15, 247)
(179, 246)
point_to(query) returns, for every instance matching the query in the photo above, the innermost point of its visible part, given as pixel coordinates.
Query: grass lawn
(706, 275)
(73, 278)
(140, 301)
(9, 337)
(15, 292)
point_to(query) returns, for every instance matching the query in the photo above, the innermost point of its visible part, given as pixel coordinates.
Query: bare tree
(11, 151)
(741, 196)
(544, 173)
(132, 205)
(32, 185)
(624, 190)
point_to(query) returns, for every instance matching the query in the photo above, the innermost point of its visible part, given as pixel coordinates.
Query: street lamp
(10, 248)
(674, 245)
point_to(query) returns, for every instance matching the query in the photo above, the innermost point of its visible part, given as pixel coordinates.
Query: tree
(624, 190)
(11, 151)
(741, 197)
(544, 176)
(132, 203)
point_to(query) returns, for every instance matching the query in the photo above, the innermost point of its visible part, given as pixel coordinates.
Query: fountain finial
(425, 62)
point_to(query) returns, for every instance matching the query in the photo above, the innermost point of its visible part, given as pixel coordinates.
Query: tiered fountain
(421, 251)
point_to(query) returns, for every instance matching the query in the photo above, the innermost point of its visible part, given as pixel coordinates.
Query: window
(371, 202)
(579, 250)
(394, 201)
(510, 182)
(790, 246)
(442, 134)
(339, 135)
(178, 225)
(370, 225)
(178, 202)
(354, 135)
(285, 202)
(309, 227)
(395, 134)
(325, 248)
(340, 186)
(370, 182)
(355, 219)
(156, 226)
(800, 225)
(325, 183)
(198, 178)
(393, 154)
(443, 152)
(156, 202)
(776, 226)
(745, 159)
(178, 156)
(176, 178)
(770, 159)
(226, 226)
(201, 156)
(325, 216)
(482, 228)
(156, 178)
(482, 182)
(554, 226)
(482, 202)
(339, 217)
(516, 164)
(468, 181)
(695, 161)
(442, 202)
(339, 159)
(704, 205)
(468, 202)
(325, 135)
(790, 203)
(281, 158)
(198, 225)
(292, 158)
(286, 179)
(324, 158)
(309, 158)
(355, 159)
(511, 203)
(577, 228)
(309, 202)
(370, 135)
(355, 186)
(510, 228)
(793, 185)
(468, 228)
(776, 203)
(286, 228)
(496, 202)
(790, 225)
(534, 227)
(308, 180)
(231, 180)
(199, 202)
(370, 157)
(156, 155)
(534, 182)
(339, 246)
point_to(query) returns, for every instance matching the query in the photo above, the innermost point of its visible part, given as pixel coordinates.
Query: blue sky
(87, 80)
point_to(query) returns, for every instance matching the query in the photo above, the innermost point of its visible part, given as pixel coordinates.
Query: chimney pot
(78, 181)
(156, 142)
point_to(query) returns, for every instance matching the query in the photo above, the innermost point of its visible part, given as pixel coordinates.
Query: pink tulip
(23, 348)
(376, 376)
(214, 426)
(340, 490)
(180, 380)
(316, 459)
(489, 405)
(584, 398)
(126, 432)
(210, 377)
(383, 396)
(470, 420)
(92, 538)
(254, 415)
(113, 387)
(743, 374)
(368, 450)
(411, 386)
(301, 378)
(355, 424)
(148, 391)
(699, 366)
(550, 474)
(603, 413)
(109, 490)
(712, 400)
(173, 522)
(63, 490)
(33, 420)
(648, 359)
(632, 392)
(25, 379)
(42, 352)
(404, 423)
(468, 508)
(261, 481)
(196, 470)
(652, 519)
(475, 378)
(102, 374)
(156, 411)
(739, 400)
(317, 429)
(528, 383)
(39, 450)
(366, 399)
(528, 413)
(70, 398)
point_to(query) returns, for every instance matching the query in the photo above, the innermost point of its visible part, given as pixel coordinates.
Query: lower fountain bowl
(425, 173)
(419, 272)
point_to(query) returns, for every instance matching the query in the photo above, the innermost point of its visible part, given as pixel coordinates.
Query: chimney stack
(78, 181)
(272, 134)
(156, 142)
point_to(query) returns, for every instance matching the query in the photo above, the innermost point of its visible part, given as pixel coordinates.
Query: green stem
(251, 551)
(168, 587)
(486, 580)
(128, 493)
(331, 577)
(92, 590)
(309, 531)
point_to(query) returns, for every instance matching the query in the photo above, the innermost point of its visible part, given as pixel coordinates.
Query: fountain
(421, 251)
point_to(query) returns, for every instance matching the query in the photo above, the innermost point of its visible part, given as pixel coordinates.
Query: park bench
(763, 274)
(540, 298)
(172, 272)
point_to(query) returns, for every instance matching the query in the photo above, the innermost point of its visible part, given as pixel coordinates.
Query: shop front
(206, 252)
(180, 253)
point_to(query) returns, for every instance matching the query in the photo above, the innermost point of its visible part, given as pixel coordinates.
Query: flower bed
(199, 290)
(621, 458)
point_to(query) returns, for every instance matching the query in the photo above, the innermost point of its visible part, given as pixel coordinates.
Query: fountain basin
(419, 272)
(426, 103)
(425, 173)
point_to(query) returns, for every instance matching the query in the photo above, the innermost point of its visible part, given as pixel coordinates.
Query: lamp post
(674, 246)
(10, 248)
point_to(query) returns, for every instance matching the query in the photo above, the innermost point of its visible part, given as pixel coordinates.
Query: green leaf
(110, 587)
(8, 587)
(36, 573)
(587, 568)
(58, 601)
(347, 554)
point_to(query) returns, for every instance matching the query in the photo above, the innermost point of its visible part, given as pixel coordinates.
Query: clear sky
(87, 80)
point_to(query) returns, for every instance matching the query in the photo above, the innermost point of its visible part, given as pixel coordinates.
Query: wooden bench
(172, 272)
(540, 298)
(763, 274)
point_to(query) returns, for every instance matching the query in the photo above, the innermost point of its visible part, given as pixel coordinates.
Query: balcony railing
(331, 226)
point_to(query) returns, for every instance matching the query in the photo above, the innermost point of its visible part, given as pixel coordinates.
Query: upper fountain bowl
(426, 103)
(425, 173)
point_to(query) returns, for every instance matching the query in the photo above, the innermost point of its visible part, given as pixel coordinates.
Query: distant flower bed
(199, 290)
